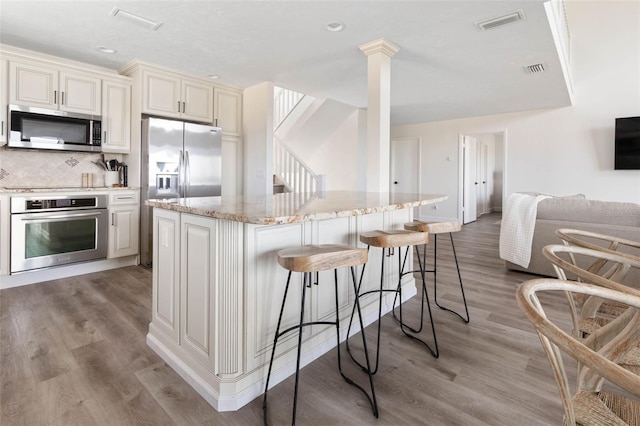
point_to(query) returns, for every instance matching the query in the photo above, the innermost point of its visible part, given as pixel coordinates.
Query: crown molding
(379, 46)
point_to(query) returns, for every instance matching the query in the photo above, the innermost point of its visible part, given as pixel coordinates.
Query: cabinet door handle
(55, 96)
(62, 98)
(178, 106)
(2, 129)
(215, 122)
(113, 219)
(105, 136)
(183, 108)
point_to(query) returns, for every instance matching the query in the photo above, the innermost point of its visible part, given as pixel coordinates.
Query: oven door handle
(46, 217)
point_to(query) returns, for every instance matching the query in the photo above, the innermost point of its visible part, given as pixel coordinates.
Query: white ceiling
(446, 68)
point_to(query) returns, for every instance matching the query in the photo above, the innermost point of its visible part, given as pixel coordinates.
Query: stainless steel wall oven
(57, 230)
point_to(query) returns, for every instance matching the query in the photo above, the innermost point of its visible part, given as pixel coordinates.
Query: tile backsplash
(43, 169)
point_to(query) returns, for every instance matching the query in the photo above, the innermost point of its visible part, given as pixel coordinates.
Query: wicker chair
(611, 269)
(598, 355)
(598, 241)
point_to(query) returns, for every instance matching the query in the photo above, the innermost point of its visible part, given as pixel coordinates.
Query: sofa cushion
(589, 211)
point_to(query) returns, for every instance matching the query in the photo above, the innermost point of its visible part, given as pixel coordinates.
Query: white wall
(342, 144)
(257, 129)
(558, 151)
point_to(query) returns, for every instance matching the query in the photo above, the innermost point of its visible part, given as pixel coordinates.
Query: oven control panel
(64, 203)
(36, 204)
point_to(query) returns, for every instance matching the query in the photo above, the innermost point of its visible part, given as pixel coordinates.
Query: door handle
(181, 175)
(395, 182)
(55, 96)
(62, 98)
(187, 168)
(178, 106)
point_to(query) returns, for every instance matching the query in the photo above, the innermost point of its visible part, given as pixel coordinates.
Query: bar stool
(389, 241)
(311, 259)
(435, 228)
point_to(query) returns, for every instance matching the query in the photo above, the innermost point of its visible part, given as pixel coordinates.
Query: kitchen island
(217, 286)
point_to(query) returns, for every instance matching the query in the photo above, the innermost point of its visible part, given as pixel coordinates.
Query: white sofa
(606, 217)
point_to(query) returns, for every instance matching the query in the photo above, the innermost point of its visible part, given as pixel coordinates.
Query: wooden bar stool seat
(388, 241)
(309, 260)
(314, 258)
(435, 228)
(394, 238)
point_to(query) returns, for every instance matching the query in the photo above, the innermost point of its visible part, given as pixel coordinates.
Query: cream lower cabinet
(4, 234)
(165, 312)
(217, 291)
(124, 227)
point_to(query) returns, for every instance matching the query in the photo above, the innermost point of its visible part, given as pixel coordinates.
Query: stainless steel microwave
(40, 128)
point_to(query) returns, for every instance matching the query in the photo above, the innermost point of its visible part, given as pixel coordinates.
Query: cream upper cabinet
(116, 117)
(4, 84)
(228, 111)
(48, 87)
(171, 95)
(80, 93)
(197, 103)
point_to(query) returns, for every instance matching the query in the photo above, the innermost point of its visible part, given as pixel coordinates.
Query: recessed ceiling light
(334, 27)
(213, 76)
(136, 19)
(106, 49)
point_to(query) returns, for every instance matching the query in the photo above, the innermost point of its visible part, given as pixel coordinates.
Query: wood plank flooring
(73, 351)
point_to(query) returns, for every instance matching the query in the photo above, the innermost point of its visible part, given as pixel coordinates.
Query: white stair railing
(297, 176)
(284, 101)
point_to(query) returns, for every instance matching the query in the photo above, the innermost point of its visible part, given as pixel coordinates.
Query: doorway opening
(482, 174)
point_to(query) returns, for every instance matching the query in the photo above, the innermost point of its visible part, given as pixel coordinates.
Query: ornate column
(379, 54)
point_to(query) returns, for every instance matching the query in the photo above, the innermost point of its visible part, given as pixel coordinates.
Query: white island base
(217, 291)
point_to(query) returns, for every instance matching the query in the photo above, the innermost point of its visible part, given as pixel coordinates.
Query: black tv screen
(627, 145)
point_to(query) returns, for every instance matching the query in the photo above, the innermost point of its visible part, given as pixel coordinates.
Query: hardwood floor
(73, 351)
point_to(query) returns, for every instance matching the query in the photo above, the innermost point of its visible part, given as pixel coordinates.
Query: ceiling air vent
(535, 68)
(135, 19)
(488, 24)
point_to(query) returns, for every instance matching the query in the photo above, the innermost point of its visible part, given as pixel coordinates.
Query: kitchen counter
(217, 284)
(4, 190)
(293, 207)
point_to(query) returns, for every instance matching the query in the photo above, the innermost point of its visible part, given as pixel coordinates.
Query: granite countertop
(69, 189)
(293, 207)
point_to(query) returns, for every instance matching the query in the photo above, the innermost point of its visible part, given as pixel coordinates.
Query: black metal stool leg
(435, 284)
(307, 279)
(357, 297)
(372, 398)
(395, 299)
(435, 352)
(273, 350)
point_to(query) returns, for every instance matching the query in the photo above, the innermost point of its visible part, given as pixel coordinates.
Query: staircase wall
(328, 138)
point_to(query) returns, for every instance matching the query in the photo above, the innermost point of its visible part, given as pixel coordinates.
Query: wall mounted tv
(627, 145)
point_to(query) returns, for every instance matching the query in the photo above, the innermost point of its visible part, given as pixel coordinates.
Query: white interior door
(481, 179)
(470, 179)
(405, 165)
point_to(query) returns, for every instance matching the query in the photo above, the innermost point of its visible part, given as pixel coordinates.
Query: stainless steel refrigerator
(179, 159)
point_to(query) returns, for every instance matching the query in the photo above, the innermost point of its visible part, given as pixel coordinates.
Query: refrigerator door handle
(187, 170)
(181, 175)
